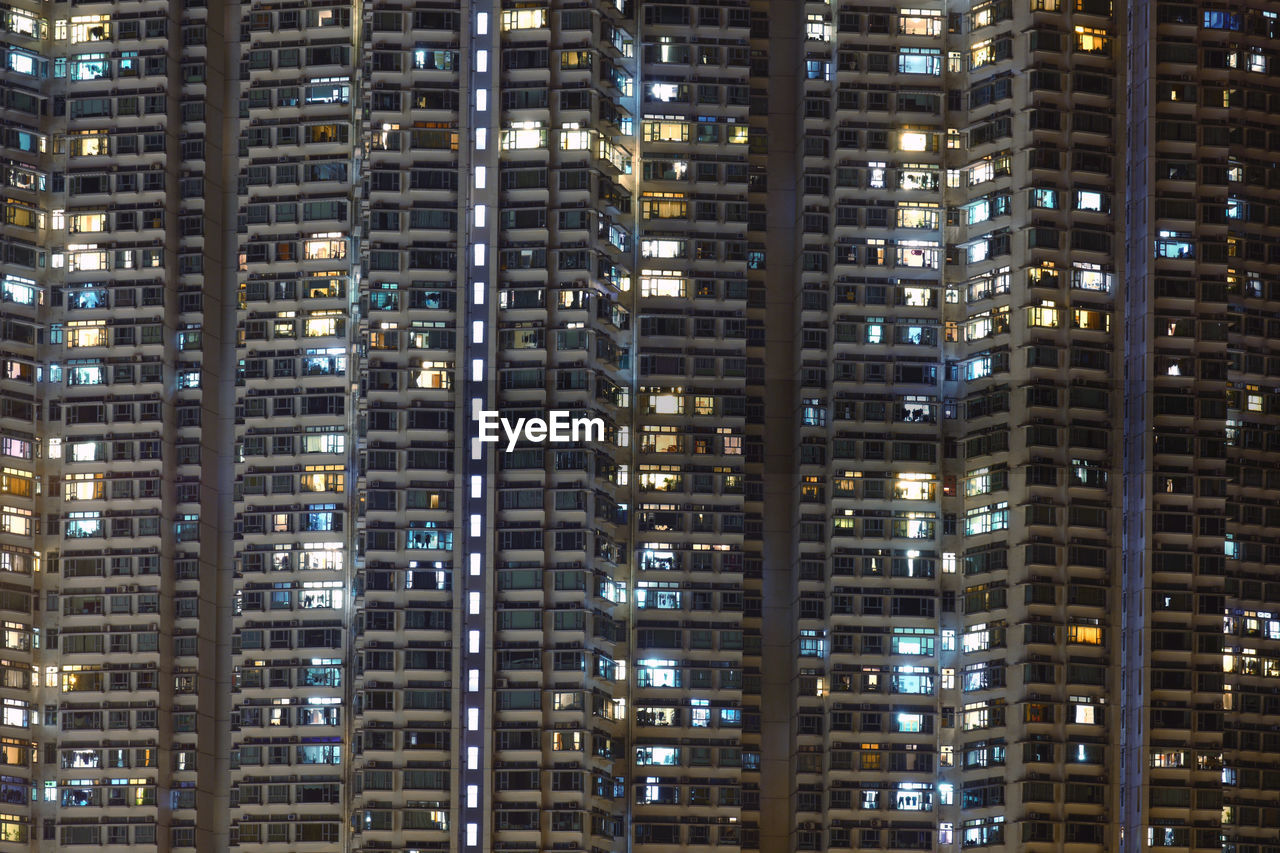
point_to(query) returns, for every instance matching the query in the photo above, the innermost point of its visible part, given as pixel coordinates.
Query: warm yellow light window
(664, 208)
(16, 482)
(919, 22)
(84, 487)
(86, 335)
(665, 131)
(982, 53)
(914, 140)
(81, 222)
(325, 247)
(662, 283)
(1090, 635)
(575, 140)
(434, 374)
(84, 28)
(918, 216)
(1083, 318)
(323, 478)
(1044, 315)
(914, 487)
(320, 327)
(571, 741)
(1092, 40)
(524, 19)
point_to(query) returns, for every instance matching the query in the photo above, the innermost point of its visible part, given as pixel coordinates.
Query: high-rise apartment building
(930, 348)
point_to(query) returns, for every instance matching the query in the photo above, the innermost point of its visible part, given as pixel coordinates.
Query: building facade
(933, 499)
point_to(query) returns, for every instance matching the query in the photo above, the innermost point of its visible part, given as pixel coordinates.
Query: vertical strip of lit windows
(478, 392)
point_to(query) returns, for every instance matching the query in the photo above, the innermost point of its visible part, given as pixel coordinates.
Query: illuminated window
(81, 525)
(524, 19)
(86, 335)
(988, 284)
(918, 177)
(988, 168)
(572, 139)
(16, 482)
(909, 722)
(26, 24)
(983, 481)
(919, 22)
(1174, 244)
(662, 283)
(25, 63)
(89, 66)
(986, 324)
(1091, 277)
(917, 254)
(665, 131)
(329, 90)
(1169, 759)
(1092, 200)
(662, 249)
(985, 519)
(667, 92)
(1044, 198)
(22, 291)
(666, 404)
(919, 60)
(918, 216)
(986, 14)
(85, 28)
(982, 53)
(80, 222)
(914, 140)
(1086, 714)
(523, 135)
(567, 701)
(435, 60)
(434, 374)
(976, 212)
(87, 143)
(912, 641)
(322, 327)
(15, 520)
(322, 478)
(1091, 40)
(324, 443)
(1090, 635)
(817, 29)
(566, 741)
(1083, 318)
(914, 487)
(323, 247)
(664, 206)
(1044, 315)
